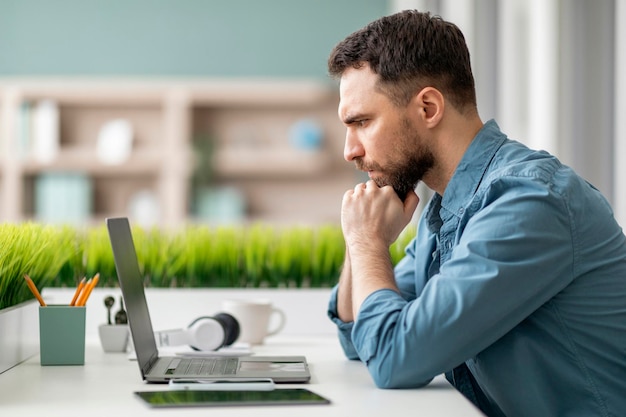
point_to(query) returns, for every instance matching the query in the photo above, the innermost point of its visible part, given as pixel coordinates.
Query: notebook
(155, 368)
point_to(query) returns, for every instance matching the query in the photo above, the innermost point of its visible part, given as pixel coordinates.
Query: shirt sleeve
(405, 274)
(510, 258)
(344, 329)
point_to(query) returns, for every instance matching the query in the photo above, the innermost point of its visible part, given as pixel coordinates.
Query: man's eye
(357, 122)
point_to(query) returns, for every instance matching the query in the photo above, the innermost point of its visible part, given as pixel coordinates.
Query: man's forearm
(372, 270)
(372, 218)
(344, 292)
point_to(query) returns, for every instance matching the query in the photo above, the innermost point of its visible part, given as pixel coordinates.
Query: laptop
(160, 369)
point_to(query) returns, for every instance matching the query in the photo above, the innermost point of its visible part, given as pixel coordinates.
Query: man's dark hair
(409, 51)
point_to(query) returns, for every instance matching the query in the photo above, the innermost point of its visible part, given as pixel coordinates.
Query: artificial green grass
(252, 256)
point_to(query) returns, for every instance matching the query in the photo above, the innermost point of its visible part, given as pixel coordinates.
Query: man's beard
(411, 164)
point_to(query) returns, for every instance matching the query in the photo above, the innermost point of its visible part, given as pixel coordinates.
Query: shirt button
(461, 210)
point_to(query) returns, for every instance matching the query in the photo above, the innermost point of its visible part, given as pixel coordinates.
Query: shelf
(145, 162)
(220, 92)
(269, 162)
(87, 91)
(264, 92)
(250, 121)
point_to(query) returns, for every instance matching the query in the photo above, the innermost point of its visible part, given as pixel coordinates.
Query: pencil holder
(62, 335)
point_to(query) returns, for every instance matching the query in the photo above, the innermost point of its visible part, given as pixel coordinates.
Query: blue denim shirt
(518, 270)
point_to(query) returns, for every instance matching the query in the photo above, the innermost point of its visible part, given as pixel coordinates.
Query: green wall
(176, 37)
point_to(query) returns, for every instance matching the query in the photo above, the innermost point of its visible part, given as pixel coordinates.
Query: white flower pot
(19, 330)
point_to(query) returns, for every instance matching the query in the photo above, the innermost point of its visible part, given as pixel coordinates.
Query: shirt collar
(471, 169)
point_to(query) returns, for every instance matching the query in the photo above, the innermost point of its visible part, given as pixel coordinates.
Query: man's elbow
(389, 378)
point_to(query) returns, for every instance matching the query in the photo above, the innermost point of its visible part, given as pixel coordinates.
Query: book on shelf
(46, 131)
(63, 197)
(24, 130)
(38, 133)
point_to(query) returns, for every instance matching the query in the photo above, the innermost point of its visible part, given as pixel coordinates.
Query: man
(515, 285)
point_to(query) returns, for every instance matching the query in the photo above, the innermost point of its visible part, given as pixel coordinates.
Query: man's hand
(372, 219)
(370, 214)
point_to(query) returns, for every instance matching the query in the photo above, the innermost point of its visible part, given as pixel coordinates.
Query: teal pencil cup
(62, 335)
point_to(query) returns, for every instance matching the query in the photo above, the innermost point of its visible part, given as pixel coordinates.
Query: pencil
(34, 290)
(80, 287)
(83, 293)
(87, 291)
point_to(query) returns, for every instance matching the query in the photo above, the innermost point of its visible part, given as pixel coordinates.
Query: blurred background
(172, 112)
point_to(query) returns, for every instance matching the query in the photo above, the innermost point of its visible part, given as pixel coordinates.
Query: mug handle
(281, 323)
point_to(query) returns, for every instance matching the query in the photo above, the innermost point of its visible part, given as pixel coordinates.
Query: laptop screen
(131, 283)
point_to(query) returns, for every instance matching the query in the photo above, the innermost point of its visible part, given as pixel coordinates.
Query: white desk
(104, 386)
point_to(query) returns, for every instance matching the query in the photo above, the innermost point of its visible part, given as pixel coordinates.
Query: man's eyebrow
(351, 118)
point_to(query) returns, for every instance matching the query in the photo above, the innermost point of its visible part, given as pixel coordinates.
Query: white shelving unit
(249, 122)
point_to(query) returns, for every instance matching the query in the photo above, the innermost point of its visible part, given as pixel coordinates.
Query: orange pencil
(83, 293)
(87, 291)
(34, 289)
(80, 287)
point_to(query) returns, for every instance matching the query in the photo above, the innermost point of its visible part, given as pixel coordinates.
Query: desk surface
(104, 386)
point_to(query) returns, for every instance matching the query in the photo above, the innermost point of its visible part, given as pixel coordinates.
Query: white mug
(254, 317)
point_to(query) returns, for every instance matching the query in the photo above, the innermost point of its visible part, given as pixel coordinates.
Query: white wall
(177, 308)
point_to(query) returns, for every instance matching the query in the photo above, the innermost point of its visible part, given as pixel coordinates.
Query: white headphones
(204, 333)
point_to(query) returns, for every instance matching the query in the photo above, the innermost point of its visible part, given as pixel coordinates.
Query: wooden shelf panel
(76, 91)
(225, 91)
(268, 162)
(260, 92)
(147, 162)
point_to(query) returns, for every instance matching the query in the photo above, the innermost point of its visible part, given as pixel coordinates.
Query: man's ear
(430, 105)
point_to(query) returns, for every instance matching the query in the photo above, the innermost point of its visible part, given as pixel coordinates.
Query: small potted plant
(114, 334)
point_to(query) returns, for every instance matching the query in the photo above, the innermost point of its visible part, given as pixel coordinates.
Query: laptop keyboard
(204, 366)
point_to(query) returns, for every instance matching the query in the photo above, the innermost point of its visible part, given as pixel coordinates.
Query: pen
(34, 290)
(87, 291)
(80, 287)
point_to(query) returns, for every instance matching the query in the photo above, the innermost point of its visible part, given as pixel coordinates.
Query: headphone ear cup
(231, 327)
(206, 333)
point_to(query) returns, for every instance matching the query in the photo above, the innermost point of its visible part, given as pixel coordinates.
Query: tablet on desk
(188, 398)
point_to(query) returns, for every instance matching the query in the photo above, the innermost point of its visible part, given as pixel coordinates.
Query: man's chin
(402, 192)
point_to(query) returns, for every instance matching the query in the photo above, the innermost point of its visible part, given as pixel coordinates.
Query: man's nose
(352, 148)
